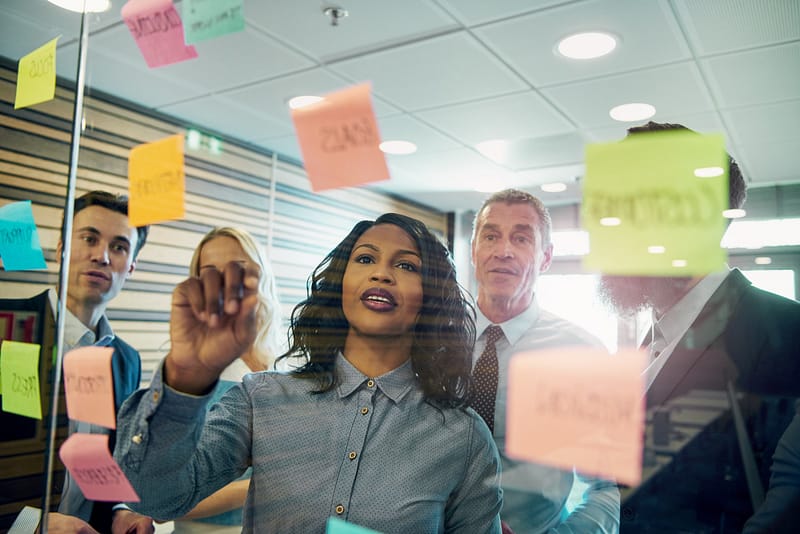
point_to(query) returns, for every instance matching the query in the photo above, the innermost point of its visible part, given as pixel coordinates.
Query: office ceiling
(449, 74)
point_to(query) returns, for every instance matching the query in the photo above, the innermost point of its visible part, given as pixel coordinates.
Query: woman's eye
(407, 266)
(364, 259)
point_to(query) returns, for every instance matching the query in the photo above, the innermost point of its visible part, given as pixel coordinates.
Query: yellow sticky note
(653, 203)
(591, 403)
(36, 76)
(20, 376)
(156, 181)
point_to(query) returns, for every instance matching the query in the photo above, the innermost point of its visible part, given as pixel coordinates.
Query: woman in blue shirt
(373, 428)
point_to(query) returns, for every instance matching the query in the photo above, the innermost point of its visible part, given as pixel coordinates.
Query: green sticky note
(207, 19)
(339, 526)
(36, 76)
(653, 203)
(19, 372)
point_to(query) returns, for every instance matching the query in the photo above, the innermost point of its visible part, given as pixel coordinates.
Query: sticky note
(26, 521)
(157, 29)
(19, 240)
(89, 385)
(20, 375)
(340, 526)
(653, 203)
(578, 407)
(36, 76)
(207, 19)
(100, 478)
(156, 182)
(339, 140)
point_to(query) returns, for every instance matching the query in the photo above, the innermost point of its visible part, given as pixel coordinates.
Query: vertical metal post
(66, 241)
(271, 214)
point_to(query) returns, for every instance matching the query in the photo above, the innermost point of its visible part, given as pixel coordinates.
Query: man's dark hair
(118, 203)
(444, 333)
(737, 189)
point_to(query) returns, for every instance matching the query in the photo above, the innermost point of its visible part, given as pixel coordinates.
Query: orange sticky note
(578, 407)
(36, 76)
(97, 474)
(156, 181)
(158, 30)
(89, 385)
(339, 140)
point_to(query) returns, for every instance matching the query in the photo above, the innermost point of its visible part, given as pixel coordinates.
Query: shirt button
(364, 410)
(339, 509)
(156, 395)
(370, 383)
(352, 455)
(137, 438)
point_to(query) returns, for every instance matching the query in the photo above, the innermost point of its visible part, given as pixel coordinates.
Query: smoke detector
(334, 13)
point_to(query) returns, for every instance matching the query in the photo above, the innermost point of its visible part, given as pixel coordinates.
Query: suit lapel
(703, 337)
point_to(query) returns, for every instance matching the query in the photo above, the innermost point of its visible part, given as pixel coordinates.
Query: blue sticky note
(19, 240)
(339, 526)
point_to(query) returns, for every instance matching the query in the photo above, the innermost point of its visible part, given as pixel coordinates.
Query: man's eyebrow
(95, 231)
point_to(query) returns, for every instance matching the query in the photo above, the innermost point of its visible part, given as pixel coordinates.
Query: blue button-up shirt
(370, 451)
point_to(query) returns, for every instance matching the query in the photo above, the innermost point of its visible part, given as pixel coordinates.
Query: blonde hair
(267, 345)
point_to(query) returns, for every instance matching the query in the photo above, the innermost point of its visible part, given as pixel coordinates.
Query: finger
(234, 286)
(190, 293)
(212, 293)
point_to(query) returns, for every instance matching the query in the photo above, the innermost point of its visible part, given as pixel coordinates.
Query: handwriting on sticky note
(339, 139)
(19, 371)
(589, 402)
(652, 207)
(340, 526)
(36, 76)
(100, 478)
(89, 385)
(207, 19)
(156, 181)
(19, 240)
(158, 31)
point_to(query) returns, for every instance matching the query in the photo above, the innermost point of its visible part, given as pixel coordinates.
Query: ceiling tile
(648, 32)
(565, 149)
(228, 117)
(715, 26)
(407, 128)
(271, 97)
(505, 117)
(755, 77)
(369, 25)
(706, 123)
(673, 90)
(471, 12)
(764, 124)
(460, 168)
(766, 163)
(445, 70)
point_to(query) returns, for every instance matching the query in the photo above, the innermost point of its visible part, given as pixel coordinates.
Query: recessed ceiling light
(763, 260)
(555, 187)
(304, 100)
(587, 45)
(398, 147)
(679, 263)
(735, 213)
(78, 6)
(656, 249)
(610, 221)
(708, 172)
(494, 149)
(632, 112)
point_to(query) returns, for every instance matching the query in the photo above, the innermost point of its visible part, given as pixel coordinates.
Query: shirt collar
(677, 320)
(394, 384)
(77, 334)
(514, 328)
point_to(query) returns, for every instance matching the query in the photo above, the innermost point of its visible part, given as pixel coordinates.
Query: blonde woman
(222, 511)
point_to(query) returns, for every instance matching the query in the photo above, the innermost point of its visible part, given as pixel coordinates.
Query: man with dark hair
(102, 257)
(511, 247)
(716, 333)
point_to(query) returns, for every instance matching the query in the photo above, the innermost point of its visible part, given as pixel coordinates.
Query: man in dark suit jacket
(720, 338)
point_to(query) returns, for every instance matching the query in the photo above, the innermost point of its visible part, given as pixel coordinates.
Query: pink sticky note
(89, 386)
(100, 478)
(339, 140)
(578, 407)
(158, 30)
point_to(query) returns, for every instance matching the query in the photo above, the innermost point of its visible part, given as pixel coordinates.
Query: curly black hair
(441, 352)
